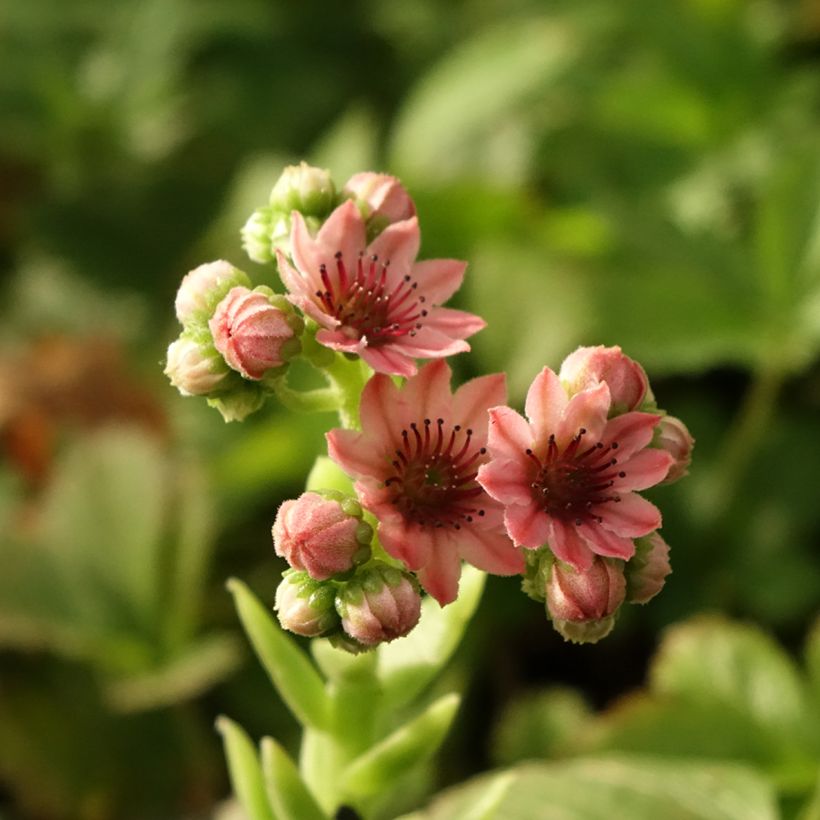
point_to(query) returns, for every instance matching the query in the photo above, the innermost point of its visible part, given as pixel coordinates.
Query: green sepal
(245, 771)
(290, 797)
(411, 744)
(295, 677)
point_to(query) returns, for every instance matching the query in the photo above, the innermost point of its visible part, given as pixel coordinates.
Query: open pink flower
(567, 477)
(376, 300)
(416, 461)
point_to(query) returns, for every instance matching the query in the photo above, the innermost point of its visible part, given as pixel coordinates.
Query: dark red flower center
(367, 305)
(434, 483)
(569, 483)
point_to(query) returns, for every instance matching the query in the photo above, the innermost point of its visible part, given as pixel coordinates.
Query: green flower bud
(305, 189)
(304, 605)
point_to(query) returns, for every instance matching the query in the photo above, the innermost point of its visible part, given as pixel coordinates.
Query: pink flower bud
(322, 536)
(674, 437)
(203, 287)
(379, 605)
(305, 606)
(588, 366)
(193, 369)
(252, 334)
(647, 570)
(585, 596)
(380, 196)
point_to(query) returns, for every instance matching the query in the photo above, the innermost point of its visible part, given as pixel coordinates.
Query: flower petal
(568, 546)
(632, 517)
(604, 542)
(527, 525)
(408, 542)
(439, 279)
(586, 410)
(344, 230)
(397, 244)
(491, 551)
(336, 340)
(632, 431)
(389, 359)
(440, 575)
(429, 343)
(546, 400)
(506, 481)
(355, 454)
(429, 392)
(472, 400)
(382, 411)
(456, 324)
(644, 469)
(509, 436)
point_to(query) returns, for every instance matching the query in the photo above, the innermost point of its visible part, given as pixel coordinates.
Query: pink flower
(567, 477)
(585, 596)
(676, 439)
(416, 460)
(588, 366)
(252, 335)
(383, 197)
(319, 535)
(376, 300)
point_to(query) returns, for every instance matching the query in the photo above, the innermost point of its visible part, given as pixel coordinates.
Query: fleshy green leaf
(287, 793)
(406, 747)
(813, 659)
(245, 771)
(291, 671)
(407, 665)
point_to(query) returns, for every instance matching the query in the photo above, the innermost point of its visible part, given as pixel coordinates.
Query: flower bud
(203, 287)
(378, 605)
(646, 571)
(585, 596)
(252, 334)
(240, 400)
(324, 535)
(305, 189)
(194, 369)
(674, 437)
(305, 606)
(382, 199)
(584, 631)
(588, 366)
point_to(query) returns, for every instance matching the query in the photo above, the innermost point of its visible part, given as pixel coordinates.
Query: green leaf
(245, 771)
(407, 665)
(615, 787)
(405, 748)
(813, 659)
(291, 671)
(811, 810)
(289, 796)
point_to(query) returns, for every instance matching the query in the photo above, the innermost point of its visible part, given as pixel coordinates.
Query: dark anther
(338, 255)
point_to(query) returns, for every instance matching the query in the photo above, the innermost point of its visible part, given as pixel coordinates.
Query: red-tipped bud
(305, 606)
(322, 534)
(253, 335)
(378, 605)
(380, 197)
(203, 287)
(588, 366)
(674, 437)
(647, 570)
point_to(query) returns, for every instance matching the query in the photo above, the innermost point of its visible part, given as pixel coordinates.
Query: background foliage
(627, 173)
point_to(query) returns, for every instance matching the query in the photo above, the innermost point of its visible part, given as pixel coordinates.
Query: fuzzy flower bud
(193, 368)
(322, 534)
(252, 334)
(381, 199)
(588, 598)
(203, 287)
(305, 189)
(647, 570)
(378, 605)
(588, 366)
(240, 400)
(674, 437)
(305, 606)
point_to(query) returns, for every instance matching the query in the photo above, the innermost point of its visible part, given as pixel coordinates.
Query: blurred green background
(636, 173)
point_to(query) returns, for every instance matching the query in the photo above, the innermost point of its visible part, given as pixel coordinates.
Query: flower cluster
(440, 476)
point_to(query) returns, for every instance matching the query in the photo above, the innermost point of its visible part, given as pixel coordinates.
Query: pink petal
(631, 517)
(472, 400)
(311, 309)
(344, 230)
(336, 340)
(383, 413)
(429, 343)
(509, 436)
(506, 481)
(439, 279)
(604, 542)
(644, 469)
(291, 278)
(389, 359)
(409, 543)
(527, 525)
(440, 575)
(633, 431)
(355, 454)
(398, 244)
(568, 546)
(457, 324)
(428, 394)
(546, 400)
(491, 551)
(585, 410)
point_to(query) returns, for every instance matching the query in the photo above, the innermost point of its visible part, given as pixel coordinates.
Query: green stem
(321, 400)
(348, 378)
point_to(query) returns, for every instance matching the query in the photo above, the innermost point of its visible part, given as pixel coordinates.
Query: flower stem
(321, 400)
(348, 378)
